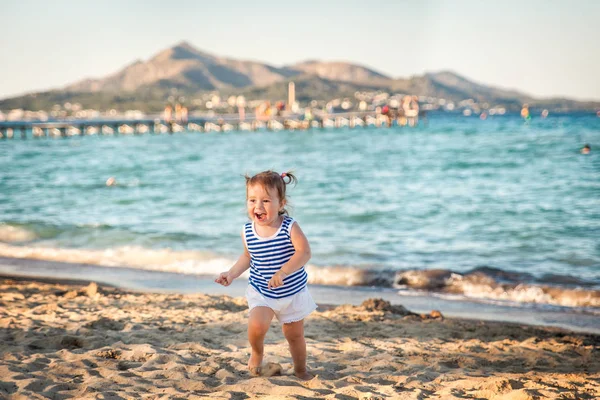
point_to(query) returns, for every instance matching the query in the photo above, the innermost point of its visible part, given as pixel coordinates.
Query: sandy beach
(63, 340)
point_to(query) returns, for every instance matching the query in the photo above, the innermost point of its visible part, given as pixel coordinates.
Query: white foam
(181, 261)
(523, 293)
(166, 260)
(476, 286)
(339, 276)
(15, 234)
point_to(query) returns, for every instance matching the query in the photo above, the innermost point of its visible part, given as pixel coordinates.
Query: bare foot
(255, 371)
(305, 376)
(254, 364)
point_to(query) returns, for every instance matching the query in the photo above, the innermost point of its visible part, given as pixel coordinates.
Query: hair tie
(283, 175)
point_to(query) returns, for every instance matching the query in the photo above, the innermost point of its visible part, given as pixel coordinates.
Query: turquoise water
(489, 203)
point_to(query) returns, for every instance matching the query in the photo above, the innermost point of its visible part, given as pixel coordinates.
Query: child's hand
(224, 279)
(277, 279)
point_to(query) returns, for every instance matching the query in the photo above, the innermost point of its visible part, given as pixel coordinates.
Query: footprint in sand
(269, 369)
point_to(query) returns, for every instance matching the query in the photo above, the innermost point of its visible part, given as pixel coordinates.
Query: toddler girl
(275, 250)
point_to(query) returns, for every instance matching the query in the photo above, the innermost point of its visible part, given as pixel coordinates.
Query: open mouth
(260, 216)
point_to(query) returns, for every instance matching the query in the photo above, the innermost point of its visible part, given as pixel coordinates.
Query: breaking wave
(483, 283)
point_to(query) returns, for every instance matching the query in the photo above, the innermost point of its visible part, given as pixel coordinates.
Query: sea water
(492, 211)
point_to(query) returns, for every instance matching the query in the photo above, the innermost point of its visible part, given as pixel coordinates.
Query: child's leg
(294, 333)
(258, 325)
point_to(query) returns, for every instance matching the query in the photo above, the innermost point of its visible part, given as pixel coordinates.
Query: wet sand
(67, 340)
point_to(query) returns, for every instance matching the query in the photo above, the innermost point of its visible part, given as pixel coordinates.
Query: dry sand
(61, 340)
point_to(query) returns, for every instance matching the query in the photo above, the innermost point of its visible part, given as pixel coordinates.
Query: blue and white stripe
(268, 255)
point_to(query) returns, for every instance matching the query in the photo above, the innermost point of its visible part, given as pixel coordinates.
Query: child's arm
(240, 266)
(300, 257)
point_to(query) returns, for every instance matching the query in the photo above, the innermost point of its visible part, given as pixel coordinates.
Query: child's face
(263, 205)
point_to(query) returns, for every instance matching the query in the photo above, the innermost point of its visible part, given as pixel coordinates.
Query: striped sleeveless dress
(268, 255)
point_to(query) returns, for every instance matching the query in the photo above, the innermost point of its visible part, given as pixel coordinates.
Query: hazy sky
(543, 48)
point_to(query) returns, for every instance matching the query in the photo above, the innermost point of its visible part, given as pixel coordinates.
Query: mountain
(184, 67)
(340, 71)
(451, 86)
(454, 83)
(184, 70)
(189, 69)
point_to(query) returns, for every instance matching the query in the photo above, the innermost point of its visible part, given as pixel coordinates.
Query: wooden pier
(221, 123)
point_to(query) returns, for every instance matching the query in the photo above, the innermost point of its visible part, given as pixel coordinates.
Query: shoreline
(69, 340)
(146, 281)
(80, 286)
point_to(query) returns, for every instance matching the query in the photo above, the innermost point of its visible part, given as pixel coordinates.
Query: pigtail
(287, 178)
(291, 178)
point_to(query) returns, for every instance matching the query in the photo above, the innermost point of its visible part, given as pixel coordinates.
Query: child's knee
(293, 334)
(294, 339)
(257, 327)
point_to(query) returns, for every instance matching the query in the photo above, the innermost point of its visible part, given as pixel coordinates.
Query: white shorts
(288, 309)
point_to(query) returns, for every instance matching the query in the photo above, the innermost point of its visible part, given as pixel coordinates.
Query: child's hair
(270, 180)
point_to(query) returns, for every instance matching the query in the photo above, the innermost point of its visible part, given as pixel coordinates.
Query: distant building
(291, 95)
